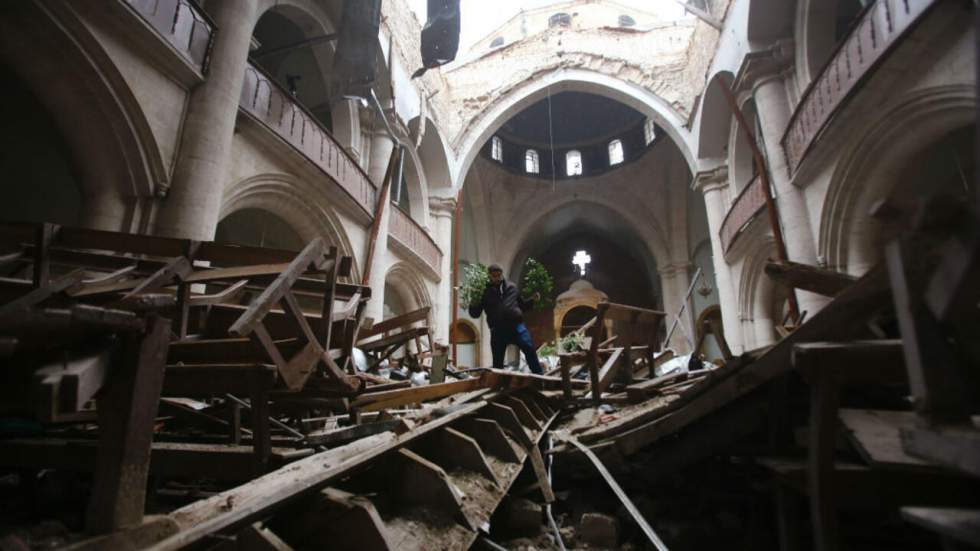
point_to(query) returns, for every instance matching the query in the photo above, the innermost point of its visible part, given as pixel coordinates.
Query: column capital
(764, 66)
(674, 269)
(442, 206)
(714, 179)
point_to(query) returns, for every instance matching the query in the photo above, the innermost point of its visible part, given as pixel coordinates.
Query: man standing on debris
(505, 316)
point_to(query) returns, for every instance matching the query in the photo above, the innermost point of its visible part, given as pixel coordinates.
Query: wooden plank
(824, 401)
(211, 379)
(258, 538)
(235, 273)
(167, 459)
(491, 438)
(508, 421)
(956, 447)
(394, 398)
(225, 351)
(176, 269)
(275, 291)
(342, 435)
(821, 281)
(226, 254)
(84, 238)
(423, 483)
(44, 235)
(632, 314)
(40, 294)
(523, 412)
(623, 498)
(843, 317)
(852, 362)
(127, 410)
(607, 373)
(877, 436)
(398, 338)
(256, 498)
(228, 294)
(66, 386)
(941, 388)
(451, 448)
(338, 520)
(397, 322)
(959, 524)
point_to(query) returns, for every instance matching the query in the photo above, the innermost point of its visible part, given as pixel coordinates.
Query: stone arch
(283, 195)
(816, 36)
(649, 233)
(716, 118)
(741, 161)
(405, 280)
(112, 147)
(310, 19)
(416, 185)
(871, 168)
(478, 131)
(433, 154)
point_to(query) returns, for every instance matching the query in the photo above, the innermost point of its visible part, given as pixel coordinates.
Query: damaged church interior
(454, 274)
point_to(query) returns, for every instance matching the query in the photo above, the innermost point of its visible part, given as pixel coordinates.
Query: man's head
(496, 273)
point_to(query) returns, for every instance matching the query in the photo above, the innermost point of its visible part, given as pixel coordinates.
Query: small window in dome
(560, 20)
(626, 21)
(615, 152)
(496, 149)
(649, 131)
(573, 163)
(532, 163)
(497, 42)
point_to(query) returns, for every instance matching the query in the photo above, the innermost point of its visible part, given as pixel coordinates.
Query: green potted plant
(537, 280)
(472, 284)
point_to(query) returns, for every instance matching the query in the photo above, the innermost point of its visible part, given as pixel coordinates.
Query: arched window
(615, 152)
(496, 149)
(626, 21)
(649, 131)
(532, 162)
(497, 42)
(573, 163)
(560, 20)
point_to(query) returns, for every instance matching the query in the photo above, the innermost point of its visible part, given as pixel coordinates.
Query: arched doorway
(467, 340)
(258, 228)
(824, 25)
(35, 160)
(295, 50)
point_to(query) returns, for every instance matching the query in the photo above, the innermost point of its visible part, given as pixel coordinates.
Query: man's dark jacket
(503, 305)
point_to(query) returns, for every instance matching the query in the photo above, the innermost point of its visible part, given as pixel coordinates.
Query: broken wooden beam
(809, 278)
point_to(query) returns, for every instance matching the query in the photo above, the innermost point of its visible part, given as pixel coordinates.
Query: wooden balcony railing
(412, 236)
(878, 30)
(181, 23)
(270, 104)
(750, 202)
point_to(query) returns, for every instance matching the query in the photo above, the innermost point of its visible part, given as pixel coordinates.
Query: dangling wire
(551, 142)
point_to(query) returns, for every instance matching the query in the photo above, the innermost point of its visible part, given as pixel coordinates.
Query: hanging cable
(551, 142)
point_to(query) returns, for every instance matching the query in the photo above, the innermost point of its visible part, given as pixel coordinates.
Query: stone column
(381, 147)
(346, 115)
(441, 212)
(772, 105)
(713, 185)
(193, 203)
(674, 281)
